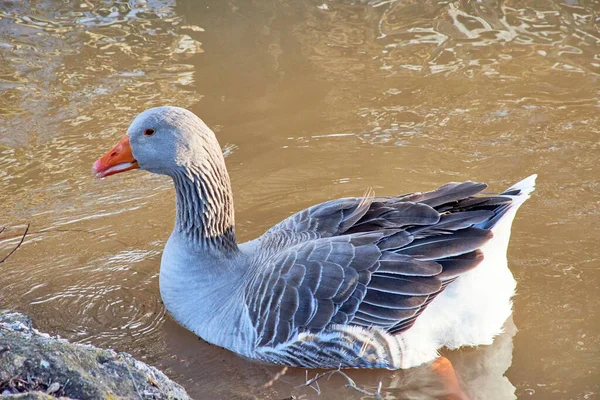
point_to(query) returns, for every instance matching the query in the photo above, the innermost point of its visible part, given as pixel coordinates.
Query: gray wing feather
(369, 261)
(412, 286)
(460, 242)
(402, 264)
(448, 193)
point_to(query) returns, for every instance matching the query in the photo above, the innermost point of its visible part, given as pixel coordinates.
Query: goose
(361, 282)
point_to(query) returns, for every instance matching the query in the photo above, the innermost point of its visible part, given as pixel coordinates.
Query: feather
(360, 210)
(395, 240)
(394, 314)
(404, 325)
(312, 277)
(473, 203)
(307, 307)
(416, 286)
(333, 207)
(342, 253)
(323, 315)
(320, 251)
(264, 290)
(403, 264)
(365, 238)
(403, 214)
(455, 266)
(448, 193)
(392, 300)
(289, 302)
(340, 318)
(283, 332)
(351, 305)
(332, 276)
(270, 328)
(295, 275)
(361, 289)
(373, 320)
(365, 257)
(511, 192)
(457, 221)
(460, 242)
(287, 263)
(347, 287)
(272, 297)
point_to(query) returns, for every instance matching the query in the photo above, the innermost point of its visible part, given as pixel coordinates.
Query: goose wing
(371, 261)
(368, 213)
(384, 278)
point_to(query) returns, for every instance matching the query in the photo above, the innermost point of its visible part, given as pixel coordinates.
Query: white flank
(472, 309)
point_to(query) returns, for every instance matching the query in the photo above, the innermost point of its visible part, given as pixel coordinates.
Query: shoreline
(36, 365)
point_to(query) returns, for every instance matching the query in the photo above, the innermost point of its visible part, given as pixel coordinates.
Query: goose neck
(205, 214)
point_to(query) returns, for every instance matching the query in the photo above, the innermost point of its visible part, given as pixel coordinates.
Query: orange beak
(118, 159)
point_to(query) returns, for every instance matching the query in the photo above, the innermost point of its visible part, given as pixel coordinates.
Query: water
(311, 101)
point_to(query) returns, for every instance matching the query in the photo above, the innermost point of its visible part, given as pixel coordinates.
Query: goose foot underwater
(444, 369)
(364, 282)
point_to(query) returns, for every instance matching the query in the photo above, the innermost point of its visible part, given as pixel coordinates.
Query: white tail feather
(503, 226)
(526, 186)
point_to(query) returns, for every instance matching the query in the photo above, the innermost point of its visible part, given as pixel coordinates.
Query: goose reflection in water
(480, 373)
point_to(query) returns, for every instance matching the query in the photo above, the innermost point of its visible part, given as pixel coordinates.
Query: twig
(19, 245)
(317, 389)
(275, 378)
(133, 381)
(65, 385)
(351, 384)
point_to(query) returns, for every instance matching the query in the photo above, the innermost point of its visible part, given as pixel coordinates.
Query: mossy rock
(34, 365)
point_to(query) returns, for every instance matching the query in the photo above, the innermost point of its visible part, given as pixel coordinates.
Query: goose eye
(149, 132)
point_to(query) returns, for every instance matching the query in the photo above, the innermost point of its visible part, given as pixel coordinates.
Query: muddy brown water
(311, 101)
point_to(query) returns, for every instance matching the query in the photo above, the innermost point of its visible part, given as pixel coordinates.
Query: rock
(35, 396)
(35, 365)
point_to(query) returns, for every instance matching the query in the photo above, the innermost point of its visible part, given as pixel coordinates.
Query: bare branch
(275, 378)
(351, 384)
(18, 245)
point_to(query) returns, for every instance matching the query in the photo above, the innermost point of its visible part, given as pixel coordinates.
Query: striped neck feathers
(205, 213)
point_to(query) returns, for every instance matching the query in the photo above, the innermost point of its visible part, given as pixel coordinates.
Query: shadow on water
(311, 100)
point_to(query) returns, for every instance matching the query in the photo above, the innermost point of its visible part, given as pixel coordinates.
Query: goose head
(174, 141)
(163, 140)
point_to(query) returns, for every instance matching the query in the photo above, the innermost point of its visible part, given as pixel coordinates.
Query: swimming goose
(364, 282)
